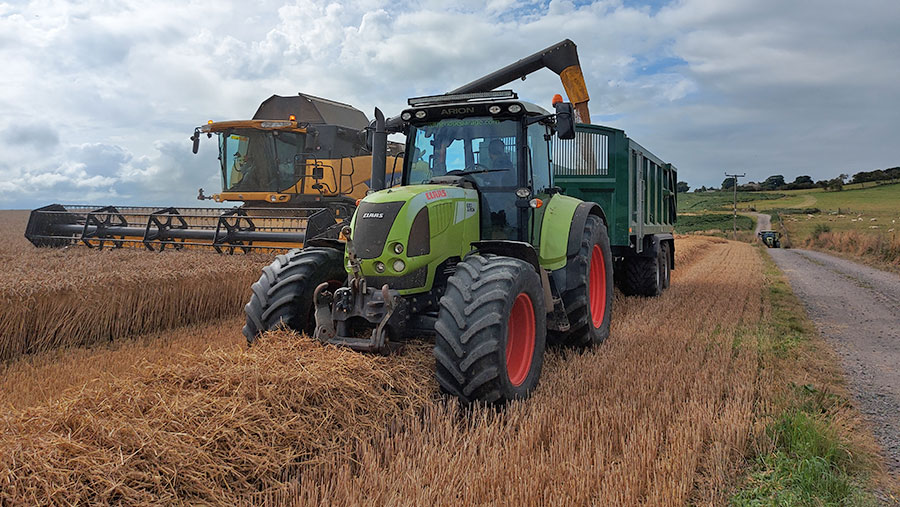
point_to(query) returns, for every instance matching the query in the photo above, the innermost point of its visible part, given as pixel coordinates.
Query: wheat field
(662, 413)
(78, 297)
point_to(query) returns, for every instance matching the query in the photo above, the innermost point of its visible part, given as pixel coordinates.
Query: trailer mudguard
(651, 244)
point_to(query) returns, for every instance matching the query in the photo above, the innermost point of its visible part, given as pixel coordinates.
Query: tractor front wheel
(491, 330)
(283, 295)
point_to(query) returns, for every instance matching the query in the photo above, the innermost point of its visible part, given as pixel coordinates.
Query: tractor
(476, 246)
(772, 239)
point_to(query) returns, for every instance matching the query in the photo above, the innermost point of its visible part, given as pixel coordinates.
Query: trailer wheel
(665, 268)
(283, 294)
(589, 303)
(641, 276)
(491, 330)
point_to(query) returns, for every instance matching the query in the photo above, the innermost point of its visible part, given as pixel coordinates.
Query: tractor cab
(493, 143)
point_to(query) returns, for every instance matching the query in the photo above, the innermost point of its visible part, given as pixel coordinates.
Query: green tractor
(772, 239)
(477, 246)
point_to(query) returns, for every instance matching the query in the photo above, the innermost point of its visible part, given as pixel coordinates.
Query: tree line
(777, 182)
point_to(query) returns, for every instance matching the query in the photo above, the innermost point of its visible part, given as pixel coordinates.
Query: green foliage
(773, 182)
(728, 183)
(712, 201)
(682, 187)
(711, 221)
(820, 229)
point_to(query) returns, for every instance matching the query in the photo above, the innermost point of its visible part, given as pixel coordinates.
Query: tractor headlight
(515, 108)
(399, 266)
(494, 109)
(420, 114)
(398, 248)
(379, 266)
(406, 116)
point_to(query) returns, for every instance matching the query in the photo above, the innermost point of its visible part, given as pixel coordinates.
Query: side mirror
(565, 121)
(196, 139)
(369, 133)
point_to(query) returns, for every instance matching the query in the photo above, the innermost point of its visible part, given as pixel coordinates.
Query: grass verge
(813, 449)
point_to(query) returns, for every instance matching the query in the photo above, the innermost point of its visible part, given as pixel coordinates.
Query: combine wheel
(589, 303)
(491, 330)
(283, 294)
(641, 276)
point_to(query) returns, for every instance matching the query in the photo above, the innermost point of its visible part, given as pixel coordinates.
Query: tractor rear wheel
(283, 295)
(491, 330)
(589, 302)
(641, 276)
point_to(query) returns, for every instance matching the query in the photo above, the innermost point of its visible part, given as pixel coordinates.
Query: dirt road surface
(857, 309)
(763, 222)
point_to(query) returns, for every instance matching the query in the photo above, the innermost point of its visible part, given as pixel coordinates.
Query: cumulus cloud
(100, 97)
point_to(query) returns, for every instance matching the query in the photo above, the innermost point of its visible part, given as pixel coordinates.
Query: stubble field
(664, 412)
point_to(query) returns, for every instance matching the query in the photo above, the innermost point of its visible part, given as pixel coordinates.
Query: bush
(820, 229)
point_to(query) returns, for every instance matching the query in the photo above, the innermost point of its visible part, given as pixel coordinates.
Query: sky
(98, 98)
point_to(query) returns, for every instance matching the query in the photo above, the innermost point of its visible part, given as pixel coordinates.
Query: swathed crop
(661, 413)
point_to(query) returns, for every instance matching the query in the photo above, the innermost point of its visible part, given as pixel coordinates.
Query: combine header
(155, 229)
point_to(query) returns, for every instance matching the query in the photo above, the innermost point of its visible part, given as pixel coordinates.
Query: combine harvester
(298, 167)
(507, 231)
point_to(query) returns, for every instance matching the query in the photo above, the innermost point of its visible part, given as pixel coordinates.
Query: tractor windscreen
(259, 160)
(481, 146)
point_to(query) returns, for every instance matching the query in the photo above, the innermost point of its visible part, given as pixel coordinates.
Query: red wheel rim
(597, 286)
(520, 339)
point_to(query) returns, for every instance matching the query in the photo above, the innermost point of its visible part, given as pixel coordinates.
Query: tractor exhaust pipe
(379, 152)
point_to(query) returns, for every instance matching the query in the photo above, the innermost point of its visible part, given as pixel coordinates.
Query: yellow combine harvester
(298, 167)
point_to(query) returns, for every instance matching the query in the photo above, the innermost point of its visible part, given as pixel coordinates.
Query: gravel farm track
(857, 309)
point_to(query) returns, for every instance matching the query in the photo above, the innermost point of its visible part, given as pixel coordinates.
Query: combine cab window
(258, 161)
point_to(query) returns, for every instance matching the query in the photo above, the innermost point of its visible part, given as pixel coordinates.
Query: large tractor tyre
(641, 276)
(283, 295)
(491, 330)
(665, 267)
(589, 303)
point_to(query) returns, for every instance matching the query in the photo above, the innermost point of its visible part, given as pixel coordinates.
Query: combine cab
(298, 167)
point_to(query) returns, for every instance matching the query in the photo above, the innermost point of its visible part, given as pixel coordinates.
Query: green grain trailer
(636, 191)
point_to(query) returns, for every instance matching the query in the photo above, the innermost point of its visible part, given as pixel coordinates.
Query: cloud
(99, 97)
